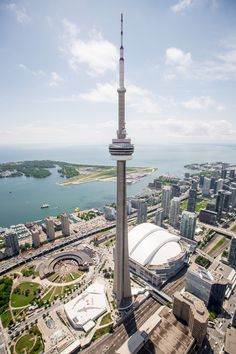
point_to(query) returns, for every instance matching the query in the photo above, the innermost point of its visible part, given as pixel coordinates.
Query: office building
(218, 185)
(188, 224)
(159, 216)
(201, 181)
(209, 286)
(165, 200)
(230, 341)
(174, 212)
(175, 190)
(233, 196)
(142, 212)
(65, 225)
(232, 174)
(208, 217)
(234, 319)
(109, 213)
(189, 308)
(227, 200)
(206, 187)
(129, 207)
(35, 237)
(12, 247)
(121, 150)
(213, 183)
(134, 203)
(223, 173)
(192, 200)
(211, 206)
(220, 204)
(232, 252)
(50, 229)
(194, 184)
(157, 184)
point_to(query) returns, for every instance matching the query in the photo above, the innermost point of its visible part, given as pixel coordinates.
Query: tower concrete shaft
(121, 150)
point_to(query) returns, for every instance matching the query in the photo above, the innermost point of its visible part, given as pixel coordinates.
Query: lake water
(28, 194)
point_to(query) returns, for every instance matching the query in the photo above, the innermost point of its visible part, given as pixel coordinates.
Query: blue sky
(59, 71)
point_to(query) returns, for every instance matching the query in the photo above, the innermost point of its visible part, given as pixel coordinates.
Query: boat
(44, 206)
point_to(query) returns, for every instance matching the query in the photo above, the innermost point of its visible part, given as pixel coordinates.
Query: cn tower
(121, 150)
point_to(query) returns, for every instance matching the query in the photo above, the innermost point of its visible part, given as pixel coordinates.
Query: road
(111, 342)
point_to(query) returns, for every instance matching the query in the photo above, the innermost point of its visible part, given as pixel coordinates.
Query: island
(71, 172)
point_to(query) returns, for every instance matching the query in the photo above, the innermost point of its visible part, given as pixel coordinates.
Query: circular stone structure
(64, 262)
(155, 253)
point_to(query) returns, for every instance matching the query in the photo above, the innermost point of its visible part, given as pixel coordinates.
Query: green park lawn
(217, 245)
(101, 332)
(106, 319)
(24, 293)
(30, 343)
(201, 204)
(6, 318)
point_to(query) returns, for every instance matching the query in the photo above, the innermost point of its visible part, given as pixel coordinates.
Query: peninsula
(73, 173)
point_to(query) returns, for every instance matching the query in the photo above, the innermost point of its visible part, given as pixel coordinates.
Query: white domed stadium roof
(151, 245)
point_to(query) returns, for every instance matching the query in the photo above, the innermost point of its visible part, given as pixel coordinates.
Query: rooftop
(159, 245)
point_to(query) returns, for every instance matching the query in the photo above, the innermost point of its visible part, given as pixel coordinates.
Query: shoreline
(110, 179)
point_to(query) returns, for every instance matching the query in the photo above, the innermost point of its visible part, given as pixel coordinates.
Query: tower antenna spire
(121, 30)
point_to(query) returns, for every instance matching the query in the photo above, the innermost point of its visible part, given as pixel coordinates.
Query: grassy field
(101, 332)
(106, 319)
(201, 204)
(30, 343)
(24, 294)
(6, 318)
(65, 279)
(217, 245)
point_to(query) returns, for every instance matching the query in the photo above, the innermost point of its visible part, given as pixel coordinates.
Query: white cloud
(182, 5)
(97, 53)
(32, 72)
(202, 103)
(143, 131)
(20, 13)
(181, 64)
(181, 130)
(55, 79)
(138, 98)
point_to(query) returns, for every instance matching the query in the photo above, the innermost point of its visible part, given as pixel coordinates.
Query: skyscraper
(165, 200)
(121, 150)
(174, 212)
(142, 212)
(188, 224)
(192, 199)
(233, 196)
(65, 225)
(219, 185)
(50, 228)
(35, 237)
(220, 204)
(175, 190)
(11, 243)
(206, 186)
(159, 217)
(232, 252)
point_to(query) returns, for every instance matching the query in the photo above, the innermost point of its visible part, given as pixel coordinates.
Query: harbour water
(28, 194)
